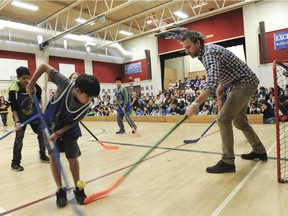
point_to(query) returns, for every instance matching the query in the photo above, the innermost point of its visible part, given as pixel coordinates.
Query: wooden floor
(172, 182)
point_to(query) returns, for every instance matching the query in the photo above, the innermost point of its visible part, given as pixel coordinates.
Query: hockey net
(280, 74)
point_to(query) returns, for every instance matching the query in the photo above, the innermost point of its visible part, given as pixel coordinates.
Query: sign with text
(281, 40)
(133, 68)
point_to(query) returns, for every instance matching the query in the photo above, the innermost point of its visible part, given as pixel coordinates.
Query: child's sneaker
(61, 199)
(17, 167)
(121, 131)
(79, 195)
(44, 158)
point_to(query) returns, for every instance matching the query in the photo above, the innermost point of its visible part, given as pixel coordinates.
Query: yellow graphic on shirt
(27, 105)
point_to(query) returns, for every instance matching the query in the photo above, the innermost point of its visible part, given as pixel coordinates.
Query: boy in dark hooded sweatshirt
(268, 113)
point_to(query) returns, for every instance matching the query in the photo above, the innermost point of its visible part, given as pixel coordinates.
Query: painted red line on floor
(92, 180)
(115, 171)
(26, 205)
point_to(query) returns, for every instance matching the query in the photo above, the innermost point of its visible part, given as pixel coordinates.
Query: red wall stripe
(107, 72)
(222, 26)
(30, 58)
(54, 61)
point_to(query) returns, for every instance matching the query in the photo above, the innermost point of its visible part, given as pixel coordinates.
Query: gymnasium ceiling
(56, 20)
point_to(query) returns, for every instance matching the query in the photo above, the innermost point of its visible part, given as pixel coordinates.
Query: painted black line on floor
(176, 149)
(167, 149)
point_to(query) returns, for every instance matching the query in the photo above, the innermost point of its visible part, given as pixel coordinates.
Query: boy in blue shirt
(66, 108)
(123, 106)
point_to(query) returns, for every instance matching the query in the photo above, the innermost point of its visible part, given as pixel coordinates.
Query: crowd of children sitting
(263, 102)
(175, 100)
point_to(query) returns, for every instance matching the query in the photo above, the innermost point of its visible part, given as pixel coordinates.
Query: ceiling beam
(192, 19)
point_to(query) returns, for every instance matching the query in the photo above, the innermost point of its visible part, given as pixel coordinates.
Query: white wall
(178, 64)
(137, 47)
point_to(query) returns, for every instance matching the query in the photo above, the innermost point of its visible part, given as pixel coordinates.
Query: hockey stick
(55, 151)
(196, 140)
(99, 141)
(129, 122)
(97, 195)
(21, 125)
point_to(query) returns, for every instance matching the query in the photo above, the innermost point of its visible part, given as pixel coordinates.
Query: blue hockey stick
(196, 140)
(21, 125)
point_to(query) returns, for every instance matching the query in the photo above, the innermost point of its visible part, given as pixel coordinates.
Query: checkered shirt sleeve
(223, 66)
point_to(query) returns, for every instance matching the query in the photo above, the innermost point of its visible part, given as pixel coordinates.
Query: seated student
(212, 104)
(174, 110)
(106, 111)
(204, 110)
(139, 111)
(163, 109)
(215, 110)
(155, 111)
(271, 100)
(197, 83)
(113, 111)
(182, 108)
(261, 94)
(146, 111)
(268, 113)
(100, 111)
(253, 99)
(254, 109)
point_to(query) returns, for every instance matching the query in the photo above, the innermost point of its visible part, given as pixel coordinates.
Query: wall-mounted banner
(133, 68)
(281, 40)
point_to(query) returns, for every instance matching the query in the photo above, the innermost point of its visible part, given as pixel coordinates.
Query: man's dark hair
(88, 84)
(22, 71)
(118, 79)
(194, 36)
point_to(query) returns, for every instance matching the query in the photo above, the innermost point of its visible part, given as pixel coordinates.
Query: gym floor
(172, 181)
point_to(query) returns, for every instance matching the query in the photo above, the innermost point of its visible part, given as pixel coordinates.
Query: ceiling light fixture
(125, 33)
(197, 5)
(181, 14)
(81, 20)
(25, 5)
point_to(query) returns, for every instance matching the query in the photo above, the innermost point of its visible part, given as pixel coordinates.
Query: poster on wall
(133, 68)
(280, 40)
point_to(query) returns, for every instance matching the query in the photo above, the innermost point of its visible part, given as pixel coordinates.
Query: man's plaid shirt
(223, 66)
